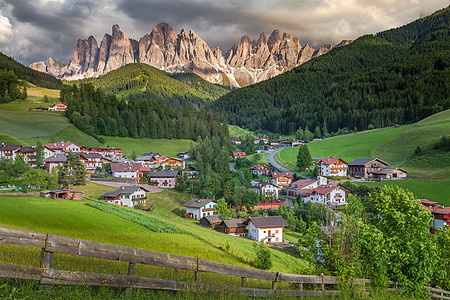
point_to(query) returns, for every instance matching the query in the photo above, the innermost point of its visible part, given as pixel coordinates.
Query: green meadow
(348, 146)
(433, 190)
(236, 131)
(140, 146)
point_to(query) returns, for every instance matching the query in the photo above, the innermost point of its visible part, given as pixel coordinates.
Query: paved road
(277, 166)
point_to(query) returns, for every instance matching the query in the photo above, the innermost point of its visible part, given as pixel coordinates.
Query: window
(276, 231)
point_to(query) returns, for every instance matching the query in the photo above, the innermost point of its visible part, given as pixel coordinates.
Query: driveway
(277, 166)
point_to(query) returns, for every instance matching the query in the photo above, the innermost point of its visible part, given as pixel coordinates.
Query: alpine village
(160, 168)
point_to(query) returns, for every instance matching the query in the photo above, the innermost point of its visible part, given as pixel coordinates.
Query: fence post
(274, 283)
(301, 286)
(323, 284)
(131, 268)
(244, 282)
(46, 259)
(198, 274)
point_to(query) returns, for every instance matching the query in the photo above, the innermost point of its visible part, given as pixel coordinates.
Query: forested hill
(396, 76)
(25, 73)
(144, 81)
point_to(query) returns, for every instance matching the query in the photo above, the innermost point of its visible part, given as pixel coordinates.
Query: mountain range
(247, 62)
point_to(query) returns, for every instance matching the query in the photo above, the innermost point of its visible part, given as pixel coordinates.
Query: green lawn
(349, 146)
(74, 219)
(22, 106)
(432, 190)
(259, 158)
(236, 131)
(71, 134)
(140, 146)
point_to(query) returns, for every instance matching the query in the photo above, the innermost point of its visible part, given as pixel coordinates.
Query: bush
(263, 259)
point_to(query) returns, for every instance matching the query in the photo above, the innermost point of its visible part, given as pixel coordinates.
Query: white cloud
(6, 29)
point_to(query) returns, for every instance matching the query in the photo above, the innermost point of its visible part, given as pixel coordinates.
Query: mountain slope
(30, 75)
(394, 77)
(144, 81)
(247, 62)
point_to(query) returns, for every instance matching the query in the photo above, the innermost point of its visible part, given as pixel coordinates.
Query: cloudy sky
(33, 30)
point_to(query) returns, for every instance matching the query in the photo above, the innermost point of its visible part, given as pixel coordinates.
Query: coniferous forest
(394, 77)
(97, 113)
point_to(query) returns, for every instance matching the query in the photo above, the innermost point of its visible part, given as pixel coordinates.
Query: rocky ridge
(246, 63)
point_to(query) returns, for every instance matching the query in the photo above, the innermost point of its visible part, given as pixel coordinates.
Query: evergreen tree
(317, 132)
(303, 157)
(39, 154)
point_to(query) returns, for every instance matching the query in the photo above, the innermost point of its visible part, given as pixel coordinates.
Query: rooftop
(123, 190)
(364, 161)
(164, 174)
(275, 221)
(197, 203)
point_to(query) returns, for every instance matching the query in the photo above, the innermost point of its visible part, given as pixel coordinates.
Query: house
(268, 148)
(294, 189)
(237, 155)
(126, 196)
(163, 179)
(29, 155)
(172, 163)
(328, 195)
(265, 139)
(199, 208)
(266, 229)
(183, 155)
(236, 141)
(62, 147)
(67, 194)
(281, 179)
(332, 166)
(92, 161)
(211, 220)
(106, 152)
(266, 189)
(364, 167)
(441, 214)
(58, 107)
(189, 173)
(54, 161)
(268, 205)
(235, 227)
(9, 151)
(260, 170)
(149, 160)
(297, 143)
(390, 173)
(126, 170)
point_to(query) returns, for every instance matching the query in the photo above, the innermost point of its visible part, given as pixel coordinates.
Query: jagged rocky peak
(38, 66)
(247, 62)
(343, 43)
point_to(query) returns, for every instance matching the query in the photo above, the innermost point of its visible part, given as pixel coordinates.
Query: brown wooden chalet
(365, 167)
(233, 227)
(68, 194)
(208, 221)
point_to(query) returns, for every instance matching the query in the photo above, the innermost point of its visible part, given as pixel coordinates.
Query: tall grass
(148, 222)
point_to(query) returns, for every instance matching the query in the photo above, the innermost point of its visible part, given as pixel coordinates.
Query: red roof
(324, 190)
(259, 167)
(329, 160)
(55, 146)
(440, 211)
(278, 175)
(145, 169)
(238, 153)
(125, 167)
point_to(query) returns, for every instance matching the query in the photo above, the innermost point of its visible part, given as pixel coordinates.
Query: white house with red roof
(266, 189)
(260, 170)
(324, 194)
(58, 107)
(281, 179)
(126, 170)
(9, 151)
(62, 147)
(237, 155)
(332, 166)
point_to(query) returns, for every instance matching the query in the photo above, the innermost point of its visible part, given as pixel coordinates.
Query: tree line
(11, 88)
(379, 80)
(97, 113)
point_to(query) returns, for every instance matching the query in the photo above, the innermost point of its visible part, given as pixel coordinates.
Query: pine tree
(303, 157)
(39, 154)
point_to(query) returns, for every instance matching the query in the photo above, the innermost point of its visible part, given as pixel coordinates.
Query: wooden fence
(51, 244)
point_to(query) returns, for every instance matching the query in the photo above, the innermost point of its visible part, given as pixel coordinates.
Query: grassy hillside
(432, 190)
(74, 219)
(393, 145)
(161, 146)
(432, 163)
(393, 77)
(25, 73)
(349, 146)
(236, 131)
(37, 93)
(144, 81)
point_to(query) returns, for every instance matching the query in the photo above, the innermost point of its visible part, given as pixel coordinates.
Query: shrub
(263, 257)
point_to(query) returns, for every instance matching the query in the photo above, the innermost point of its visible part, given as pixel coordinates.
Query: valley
(163, 144)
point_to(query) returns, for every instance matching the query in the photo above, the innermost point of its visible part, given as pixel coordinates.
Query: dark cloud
(36, 29)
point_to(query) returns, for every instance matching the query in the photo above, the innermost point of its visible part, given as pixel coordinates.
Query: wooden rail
(51, 244)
